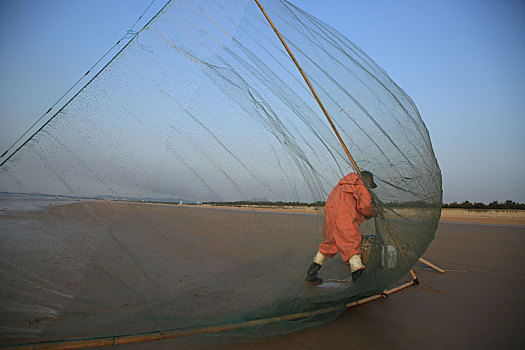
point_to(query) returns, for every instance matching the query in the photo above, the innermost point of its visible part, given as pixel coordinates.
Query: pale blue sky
(460, 61)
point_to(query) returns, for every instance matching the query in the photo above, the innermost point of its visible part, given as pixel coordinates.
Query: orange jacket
(351, 196)
(347, 206)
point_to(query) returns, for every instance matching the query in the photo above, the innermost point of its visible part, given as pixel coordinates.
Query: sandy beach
(481, 216)
(142, 284)
(477, 216)
(477, 304)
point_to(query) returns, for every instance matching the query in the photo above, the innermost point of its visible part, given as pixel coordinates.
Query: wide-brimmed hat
(370, 176)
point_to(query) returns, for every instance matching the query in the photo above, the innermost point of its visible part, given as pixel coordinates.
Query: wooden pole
(428, 263)
(179, 333)
(414, 278)
(311, 88)
(169, 334)
(327, 116)
(397, 289)
(387, 226)
(364, 300)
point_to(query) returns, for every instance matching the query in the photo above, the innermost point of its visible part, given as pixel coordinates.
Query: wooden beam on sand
(179, 333)
(398, 288)
(428, 263)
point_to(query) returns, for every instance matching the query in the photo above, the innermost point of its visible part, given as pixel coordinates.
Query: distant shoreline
(478, 216)
(484, 216)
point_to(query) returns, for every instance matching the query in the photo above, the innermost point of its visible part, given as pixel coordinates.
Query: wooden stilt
(414, 277)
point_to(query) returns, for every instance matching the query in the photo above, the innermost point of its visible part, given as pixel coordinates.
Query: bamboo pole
(396, 243)
(169, 334)
(311, 88)
(327, 117)
(176, 333)
(414, 278)
(397, 289)
(179, 333)
(364, 300)
(428, 263)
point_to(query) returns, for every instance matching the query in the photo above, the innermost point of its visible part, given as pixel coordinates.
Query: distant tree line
(266, 203)
(416, 204)
(508, 204)
(411, 204)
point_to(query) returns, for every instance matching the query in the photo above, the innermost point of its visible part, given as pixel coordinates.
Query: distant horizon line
(508, 204)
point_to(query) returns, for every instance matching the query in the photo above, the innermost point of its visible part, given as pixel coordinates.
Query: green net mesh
(183, 186)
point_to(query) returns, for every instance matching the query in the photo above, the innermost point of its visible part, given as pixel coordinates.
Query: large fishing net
(183, 187)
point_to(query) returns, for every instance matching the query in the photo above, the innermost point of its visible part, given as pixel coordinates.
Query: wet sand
(477, 216)
(476, 305)
(101, 268)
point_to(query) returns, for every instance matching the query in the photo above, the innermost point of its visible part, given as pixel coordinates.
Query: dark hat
(370, 176)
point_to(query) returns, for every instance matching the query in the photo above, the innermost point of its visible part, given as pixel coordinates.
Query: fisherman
(349, 203)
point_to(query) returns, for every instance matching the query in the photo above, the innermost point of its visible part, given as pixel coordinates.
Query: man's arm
(364, 200)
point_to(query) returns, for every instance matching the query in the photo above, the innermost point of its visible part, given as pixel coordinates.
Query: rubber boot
(356, 266)
(311, 275)
(357, 273)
